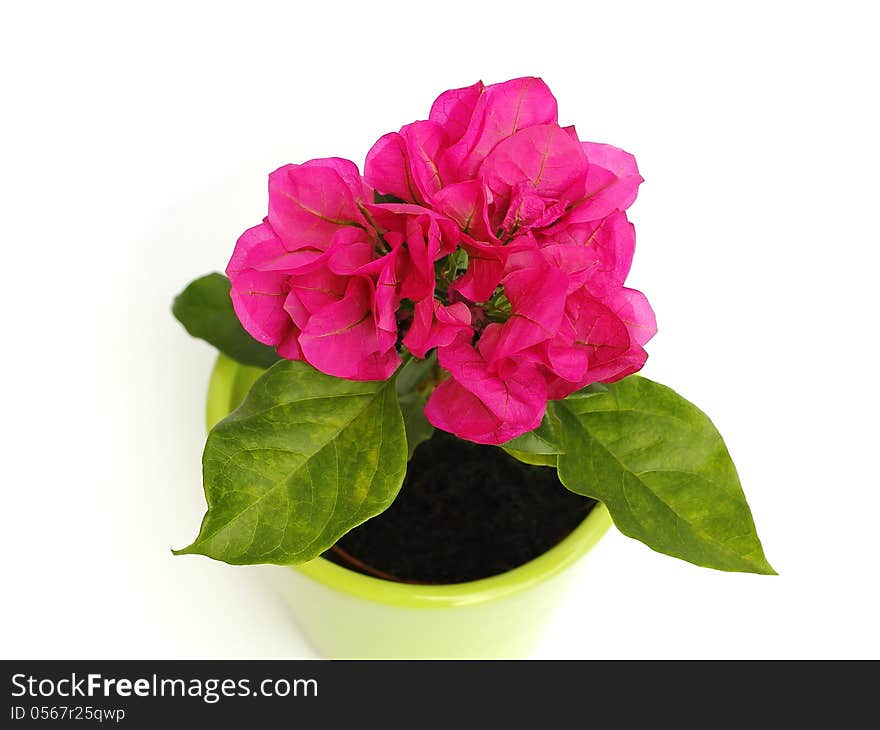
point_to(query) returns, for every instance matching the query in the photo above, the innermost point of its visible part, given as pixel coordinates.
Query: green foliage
(540, 447)
(414, 381)
(306, 457)
(303, 460)
(658, 464)
(205, 310)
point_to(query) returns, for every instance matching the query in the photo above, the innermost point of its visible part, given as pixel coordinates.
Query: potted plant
(426, 401)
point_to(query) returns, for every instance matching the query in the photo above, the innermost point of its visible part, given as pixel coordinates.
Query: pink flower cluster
(504, 246)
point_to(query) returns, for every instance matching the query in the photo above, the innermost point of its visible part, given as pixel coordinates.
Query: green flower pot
(349, 615)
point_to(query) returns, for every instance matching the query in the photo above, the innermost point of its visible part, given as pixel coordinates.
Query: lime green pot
(349, 615)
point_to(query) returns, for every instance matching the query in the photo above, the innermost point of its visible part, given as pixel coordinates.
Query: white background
(136, 139)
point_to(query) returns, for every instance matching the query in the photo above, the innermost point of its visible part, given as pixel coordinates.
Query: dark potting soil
(464, 512)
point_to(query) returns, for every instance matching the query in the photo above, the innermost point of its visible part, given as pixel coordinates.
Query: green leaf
(418, 428)
(303, 460)
(540, 447)
(415, 372)
(205, 309)
(410, 382)
(663, 471)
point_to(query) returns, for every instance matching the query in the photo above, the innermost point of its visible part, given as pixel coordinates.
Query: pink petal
(598, 253)
(486, 262)
(423, 140)
(611, 334)
(309, 203)
(482, 277)
(455, 409)
(436, 325)
(311, 292)
(612, 182)
(501, 111)
(404, 164)
(525, 209)
(351, 255)
(465, 203)
(422, 250)
(544, 156)
(258, 300)
(483, 405)
(568, 363)
(422, 236)
(350, 251)
(350, 175)
(453, 109)
(386, 301)
(342, 340)
(537, 293)
(573, 259)
(259, 248)
(513, 391)
(289, 347)
(634, 311)
(597, 329)
(257, 239)
(571, 132)
(614, 159)
(258, 296)
(387, 168)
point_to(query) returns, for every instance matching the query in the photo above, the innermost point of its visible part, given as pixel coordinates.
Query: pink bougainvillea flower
(542, 219)
(597, 254)
(323, 277)
(534, 176)
(499, 111)
(487, 232)
(405, 161)
(537, 293)
(343, 338)
(612, 182)
(259, 289)
(486, 401)
(309, 203)
(495, 160)
(598, 342)
(558, 332)
(420, 237)
(311, 280)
